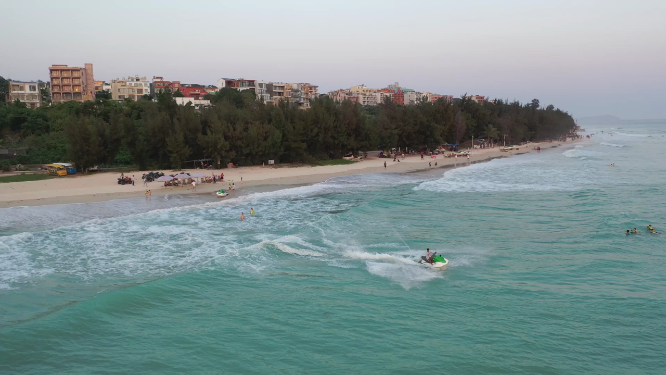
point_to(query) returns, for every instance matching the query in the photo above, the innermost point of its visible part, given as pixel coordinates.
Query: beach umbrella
(165, 178)
(182, 175)
(197, 175)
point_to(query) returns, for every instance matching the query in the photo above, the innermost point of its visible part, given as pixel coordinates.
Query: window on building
(33, 88)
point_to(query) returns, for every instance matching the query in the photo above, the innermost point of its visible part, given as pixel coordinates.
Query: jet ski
(438, 261)
(221, 194)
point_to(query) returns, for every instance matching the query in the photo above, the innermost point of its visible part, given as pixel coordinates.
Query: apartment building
(196, 103)
(129, 88)
(276, 90)
(26, 92)
(159, 85)
(197, 91)
(477, 98)
(71, 83)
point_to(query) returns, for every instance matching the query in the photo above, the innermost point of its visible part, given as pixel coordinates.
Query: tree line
(241, 130)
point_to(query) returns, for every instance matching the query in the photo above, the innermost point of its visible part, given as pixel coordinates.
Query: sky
(586, 57)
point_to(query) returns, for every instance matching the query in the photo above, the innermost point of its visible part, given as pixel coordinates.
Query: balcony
(67, 89)
(55, 88)
(66, 73)
(76, 81)
(55, 73)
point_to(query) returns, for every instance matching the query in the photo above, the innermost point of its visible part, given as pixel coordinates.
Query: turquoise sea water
(324, 279)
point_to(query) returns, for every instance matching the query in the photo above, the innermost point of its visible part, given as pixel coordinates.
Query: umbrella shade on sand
(165, 178)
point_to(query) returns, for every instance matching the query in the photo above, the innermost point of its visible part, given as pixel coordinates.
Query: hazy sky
(586, 57)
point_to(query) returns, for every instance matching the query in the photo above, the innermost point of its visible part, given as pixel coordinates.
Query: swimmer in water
(251, 211)
(242, 216)
(625, 233)
(634, 231)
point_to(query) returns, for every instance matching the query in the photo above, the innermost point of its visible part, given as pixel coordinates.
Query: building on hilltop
(298, 94)
(129, 88)
(197, 91)
(476, 98)
(276, 90)
(26, 92)
(398, 95)
(196, 103)
(159, 84)
(71, 83)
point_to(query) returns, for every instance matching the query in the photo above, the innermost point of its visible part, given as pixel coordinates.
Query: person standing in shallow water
(242, 216)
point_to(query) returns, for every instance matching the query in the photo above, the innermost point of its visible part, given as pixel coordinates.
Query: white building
(196, 103)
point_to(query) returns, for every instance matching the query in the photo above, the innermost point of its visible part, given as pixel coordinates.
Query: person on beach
(132, 180)
(233, 187)
(214, 179)
(430, 164)
(467, 157)
(384, 165)
(242, 216)
(146, 194)
(222, 177)
(150, 193)
(194, 185)
(242, 183)
(435, 164)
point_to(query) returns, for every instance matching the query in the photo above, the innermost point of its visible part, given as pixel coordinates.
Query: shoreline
(103, 186)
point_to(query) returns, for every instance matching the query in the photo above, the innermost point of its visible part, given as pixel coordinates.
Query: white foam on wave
(407, 276)
(578, 152)
(611, 144)
(288, 249)
(383, 257)
(526, 173)
(634, 135)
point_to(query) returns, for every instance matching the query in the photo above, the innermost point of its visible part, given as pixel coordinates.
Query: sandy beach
(104, 186)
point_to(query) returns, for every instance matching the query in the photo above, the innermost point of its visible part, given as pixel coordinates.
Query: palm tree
(491, 134)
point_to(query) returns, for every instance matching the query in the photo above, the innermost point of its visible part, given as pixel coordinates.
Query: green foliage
(5, 165)
(24, 177)
(178, 94)
(4, 89)
(104, 94)
(241, 130)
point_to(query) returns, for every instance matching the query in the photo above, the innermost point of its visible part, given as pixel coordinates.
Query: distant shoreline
(103, 186)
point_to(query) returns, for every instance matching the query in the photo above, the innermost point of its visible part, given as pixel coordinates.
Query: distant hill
(605, 119)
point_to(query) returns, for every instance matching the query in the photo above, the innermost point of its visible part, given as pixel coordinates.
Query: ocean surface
(324, 279)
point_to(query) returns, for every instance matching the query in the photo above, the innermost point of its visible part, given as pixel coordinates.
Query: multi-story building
(261, 90)
(196, 103)
(276, 90)
(477, 98)
(129, 88)
(239, 84)
(99, 86)
(159, 85)
(26, 92)
(197, 91)
(310, 91)
(71, 83)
